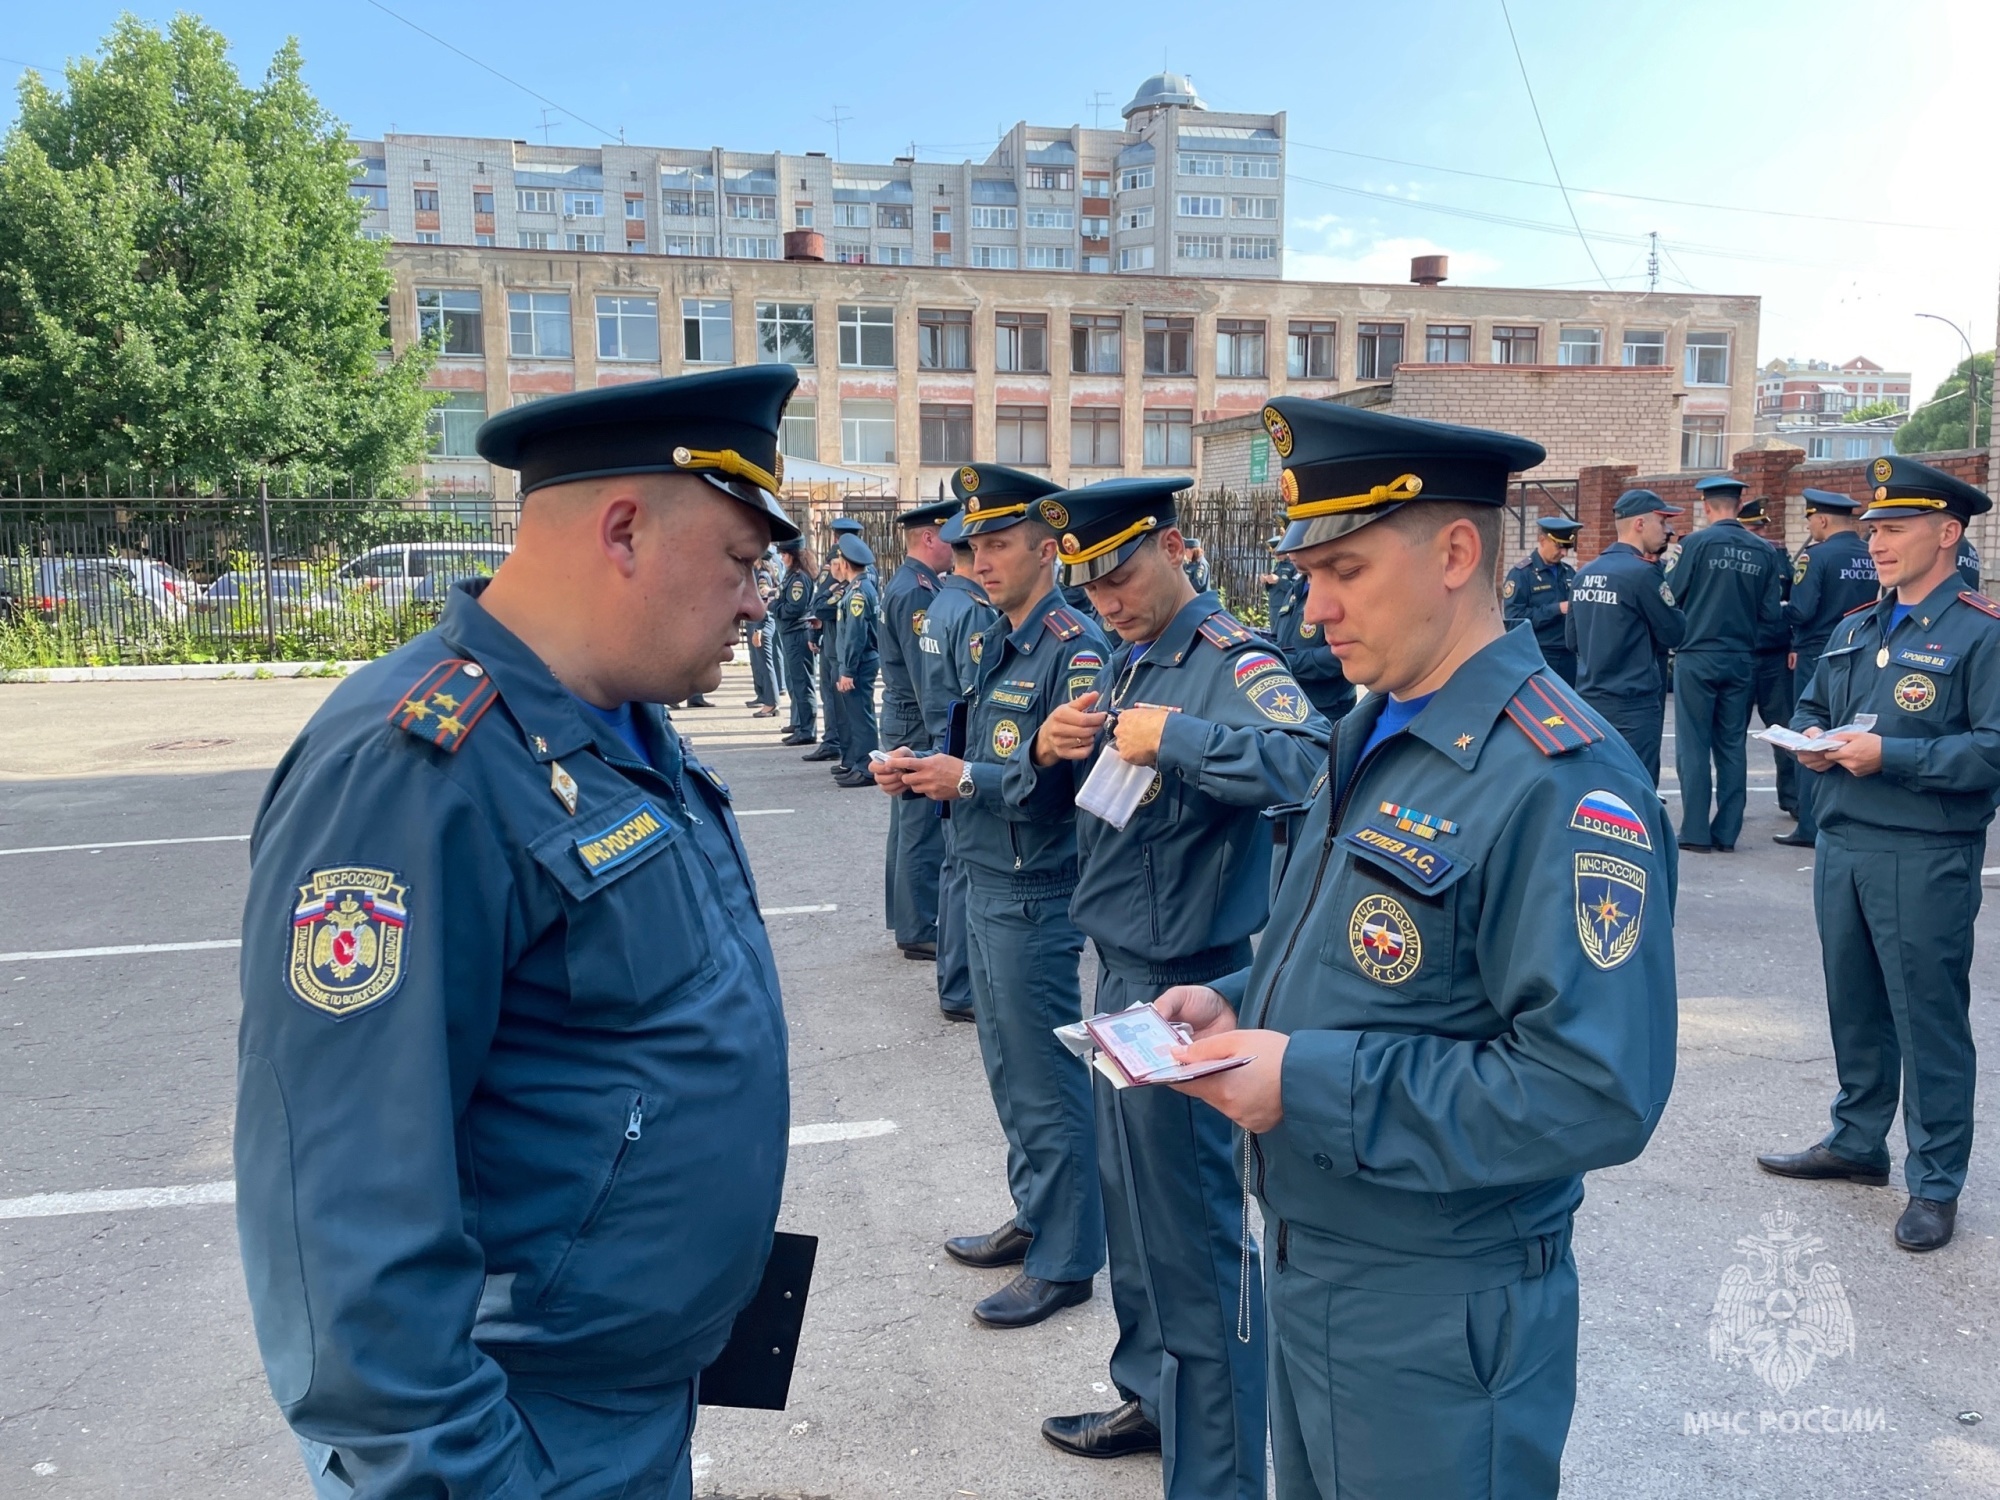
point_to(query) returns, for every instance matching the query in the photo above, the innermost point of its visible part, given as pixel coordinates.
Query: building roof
(1161, 90)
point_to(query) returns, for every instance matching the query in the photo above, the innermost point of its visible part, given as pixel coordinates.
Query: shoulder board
(1063, 623)
(928, 585)
(1870, 605)
(1546, 712)
(1980, 602)
(1225, 632)
(445, 703)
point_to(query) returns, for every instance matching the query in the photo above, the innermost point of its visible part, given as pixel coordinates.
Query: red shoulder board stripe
(1063, 623)
(1980, 602)
(1224, 631)
(445, 703)
(1869, 605)
(1550, 717)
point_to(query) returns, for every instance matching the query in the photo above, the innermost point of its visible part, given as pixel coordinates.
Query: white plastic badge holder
(1113, 788)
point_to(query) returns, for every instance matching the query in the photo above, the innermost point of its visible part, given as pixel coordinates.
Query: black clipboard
(754, 1368)
(955, 721)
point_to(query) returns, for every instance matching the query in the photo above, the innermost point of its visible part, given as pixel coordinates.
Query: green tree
(1883, 408)
(182, 281)
(1940, 422)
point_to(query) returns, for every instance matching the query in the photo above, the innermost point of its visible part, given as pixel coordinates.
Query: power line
(1550, 149)
(531, 93)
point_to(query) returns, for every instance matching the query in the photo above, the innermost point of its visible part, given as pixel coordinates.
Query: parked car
(235, 601)
(94, 591)
(395, 574)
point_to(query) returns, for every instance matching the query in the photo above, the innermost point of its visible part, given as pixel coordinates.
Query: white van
(396, 574)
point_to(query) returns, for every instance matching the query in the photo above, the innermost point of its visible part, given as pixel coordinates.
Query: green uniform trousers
(1895, 931)
(1712, 696)
(1379, 1395)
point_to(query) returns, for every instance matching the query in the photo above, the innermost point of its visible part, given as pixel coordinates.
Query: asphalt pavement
(127, 1365)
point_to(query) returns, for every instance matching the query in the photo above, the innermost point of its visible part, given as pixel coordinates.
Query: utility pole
(1971, 380)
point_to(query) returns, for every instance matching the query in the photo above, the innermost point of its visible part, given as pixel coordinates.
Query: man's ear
(619, 522)
(1172, 543)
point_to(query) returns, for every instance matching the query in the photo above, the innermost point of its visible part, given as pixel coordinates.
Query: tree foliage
(1868, 410)
(182, 282)
(1940, 423)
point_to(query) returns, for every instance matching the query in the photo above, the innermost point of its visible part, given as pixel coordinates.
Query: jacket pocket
(632, 1129)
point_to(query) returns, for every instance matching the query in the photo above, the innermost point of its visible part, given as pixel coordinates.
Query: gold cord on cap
(728, 461)
(1402, 487)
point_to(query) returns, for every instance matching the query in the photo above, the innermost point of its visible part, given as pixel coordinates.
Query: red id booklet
(1134, 1049)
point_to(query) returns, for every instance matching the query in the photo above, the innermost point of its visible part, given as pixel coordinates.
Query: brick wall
(1583, 414)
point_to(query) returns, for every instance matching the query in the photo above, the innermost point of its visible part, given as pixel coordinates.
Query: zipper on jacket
(635, 1119)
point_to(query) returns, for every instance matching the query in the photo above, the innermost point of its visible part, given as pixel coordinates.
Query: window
(537, 239)
(1253, 208)
(1378, 349)
(1198, 246)
(1310, 351)
(846, 253)
(584, 205)
(945, 433)
(852, 216)
(1136, 258)
(453, 424)
(376, 198)
(452, 319)
(534, 201)
(429, 237)
(868, 432)
(1169, 344)
(1021, 343)
(688, 244)
(1645, 347)
(1816, 447)
(1051, 179)
(477, 239)
(785, 333)
(751, 246)
(996, 257)
(1135, 180)
(1580, 346)
(798, 429)
(1707, 359)
(688, 205)
(1253, 166)
(942, 258)
(1097, 187)
(635, 208)
(748, 206)
(1193, 165)
(1858, 447)
(1199, 206)
(482, 201)
(1096, 265)
(1137, 218)
(628, 328)
(1448, 344)
(538, 325)
(584, 241)
(1096, 342)
(1516, 345)
(374, 234)
(892, 216)
(940, 221)
(944, 338)
(1021, 434)
(894, 255)
(426, 200)
(707, 335)
(1093, 437)
(1239, 349)
(1253, 247)
(1169, 438)
(1096, 227)
(1051, 258)
(1051, 218)
(1701, 442)
(986, 216)
(802, 216)
(868, 338)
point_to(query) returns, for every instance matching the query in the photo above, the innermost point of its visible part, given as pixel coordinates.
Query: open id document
(1133, 1048)
(1792, 740)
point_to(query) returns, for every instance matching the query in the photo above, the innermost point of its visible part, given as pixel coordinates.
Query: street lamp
(1971, 378)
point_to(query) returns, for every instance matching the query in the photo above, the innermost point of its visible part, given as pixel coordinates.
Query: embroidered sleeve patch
(1279, 699)
(347, 939)
(1610, 816)
(1610, 903)
(624, 841)
(1799, 566)
(857, 606)
(1254, 664)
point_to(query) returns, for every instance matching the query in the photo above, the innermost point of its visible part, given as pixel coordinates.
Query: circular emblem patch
(1384, 941)
(1309, 630)
(1054, 514)
(917, 622)
(1883, 469)
(1280, 430)
(1915, 693)
(1152, 789)
(1288, 486)
(968, 479)
(1507, 589)
(1006, 738)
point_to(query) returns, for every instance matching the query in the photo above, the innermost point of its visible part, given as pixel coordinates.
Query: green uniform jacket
(1479, 1017)
(1933, 684)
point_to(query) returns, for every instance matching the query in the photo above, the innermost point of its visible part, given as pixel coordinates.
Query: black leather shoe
(852, 779)
(1104, 1434)
(1005, 1246)
(823, 752)
(1027, 1300)
(1818, 1164)
(1792, 840)
(923, 953)
(1725, 848)
(697, 701)
(954, 1015)
(1697, 848)
(795, 738)
(1926, 1224)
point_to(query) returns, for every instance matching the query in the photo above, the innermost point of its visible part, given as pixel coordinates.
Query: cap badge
(1288, 486)
(1280, 430)
(1070, 545)
(1882, 491)
(1883, 469)
(971, 506)
(968, 479)
(1054, 513)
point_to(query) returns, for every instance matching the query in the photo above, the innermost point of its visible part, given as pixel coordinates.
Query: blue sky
(1848, 110)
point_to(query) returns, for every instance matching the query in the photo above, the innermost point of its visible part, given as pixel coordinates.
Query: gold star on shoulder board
(1464, 741)
(448, 726)
(415, 709)
(446, 702)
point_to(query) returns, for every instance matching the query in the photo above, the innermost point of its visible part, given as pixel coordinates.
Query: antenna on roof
(1653, 261)
(1097, 101)
(840, 116)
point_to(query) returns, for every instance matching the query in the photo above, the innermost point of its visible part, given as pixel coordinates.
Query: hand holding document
(1134, 1048)
(1792, 740)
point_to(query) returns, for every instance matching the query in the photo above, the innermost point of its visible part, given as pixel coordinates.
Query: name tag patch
(1927, 660)
(1420, 860)
(624, 841)
(1013, 694)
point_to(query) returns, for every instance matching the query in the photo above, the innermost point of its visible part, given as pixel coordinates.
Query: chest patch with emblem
(1384, 940)
(1915, 693)
(623, 841)
(1006, 738)
(1610, 816)
(347, 939)
(1610, 904)
(1420, 861)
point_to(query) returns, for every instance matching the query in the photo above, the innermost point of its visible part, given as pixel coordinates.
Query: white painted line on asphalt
(200, 1194)
(121, 952)
(794, 911)
(1990, 870)
(762, 812)
(213, 838)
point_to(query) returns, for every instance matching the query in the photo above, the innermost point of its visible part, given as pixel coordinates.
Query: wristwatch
(966, 785)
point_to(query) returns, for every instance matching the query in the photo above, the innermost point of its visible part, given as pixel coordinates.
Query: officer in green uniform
(511, 1081)
(915, 851)
(1173, 898)
(1903, 809)
(857, 659)
(1773, 696)
(790, 612)
(1464, 999)
(1019, 855)
(1726, 581)
(1537, 592)
(1832, 577)
(1622, 621)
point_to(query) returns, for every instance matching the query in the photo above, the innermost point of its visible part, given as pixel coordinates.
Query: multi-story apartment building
(1808, 402)
(1182, 189)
